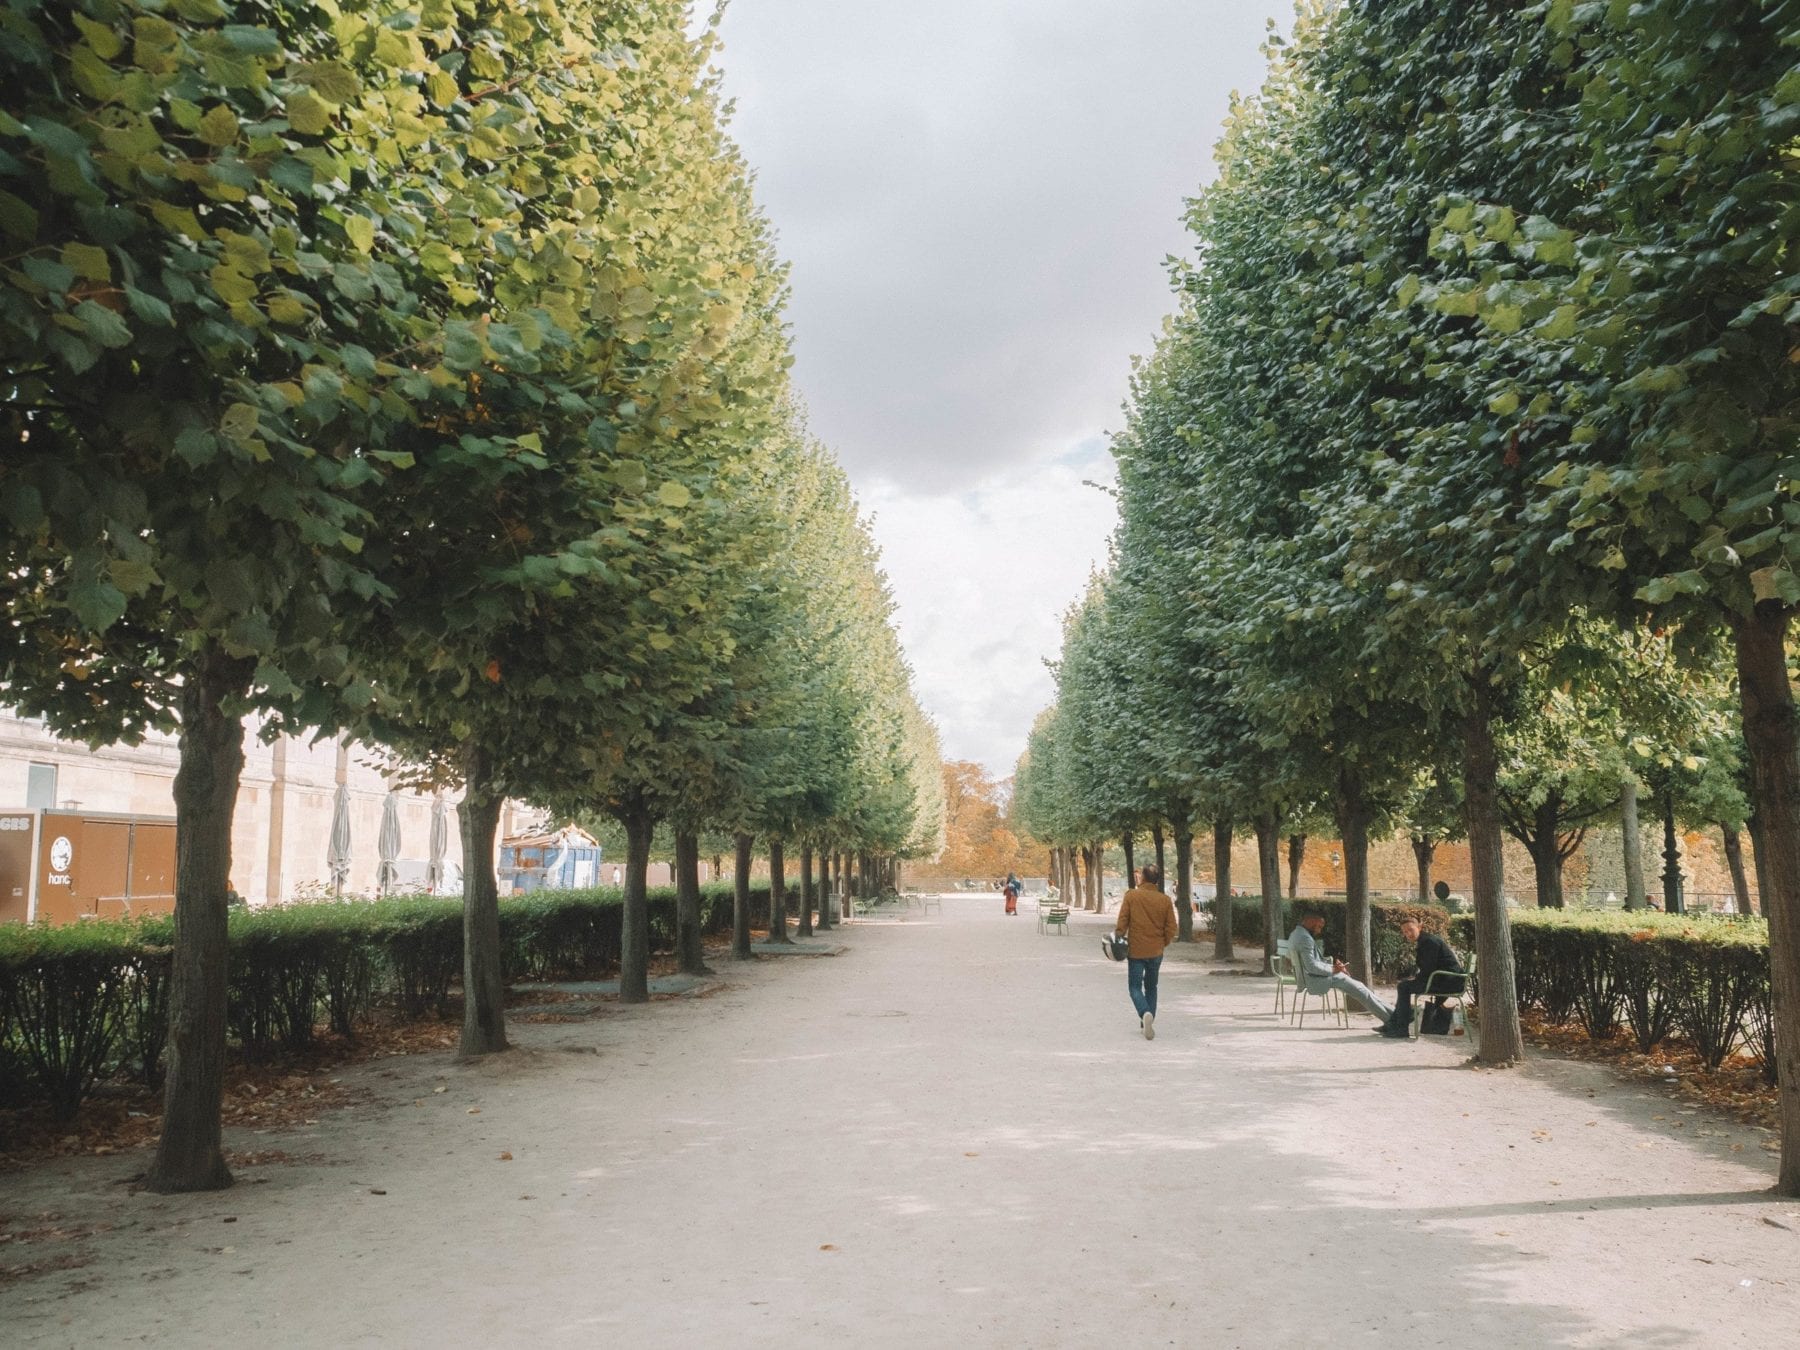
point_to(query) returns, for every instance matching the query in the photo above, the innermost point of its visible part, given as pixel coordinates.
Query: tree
(194, 412)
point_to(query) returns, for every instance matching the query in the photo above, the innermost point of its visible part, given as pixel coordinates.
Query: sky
(977, 200)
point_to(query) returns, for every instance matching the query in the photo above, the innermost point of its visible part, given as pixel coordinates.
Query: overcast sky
(977, 199)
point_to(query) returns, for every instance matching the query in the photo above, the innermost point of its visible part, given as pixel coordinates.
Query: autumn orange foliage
(981, 840)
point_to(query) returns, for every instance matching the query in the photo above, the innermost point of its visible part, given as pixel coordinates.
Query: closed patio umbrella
(440, 842)
(387, 845)
(337, 850)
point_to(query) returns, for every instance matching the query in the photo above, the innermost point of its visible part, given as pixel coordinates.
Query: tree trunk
(805, 926)
(777, 894)
(1423, 852)
(1546, 856)
(1095, 858)
(825, 923)
(1734, 858)
(1501, 1040)
(1184, 878)
(690, 950)
(1268, 866)
(843, 880)
(484, 977)
(1671, 877)
(634, 936)
(1162, 870)
(740, 897)
(1126, 842)
(1633, 843)
(1353, 828)
(1759, 854)
(188, 1155)
(1223, 949)
(1296, 856)
(1769, 737)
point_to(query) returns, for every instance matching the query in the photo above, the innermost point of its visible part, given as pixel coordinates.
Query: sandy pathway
(950, 1135)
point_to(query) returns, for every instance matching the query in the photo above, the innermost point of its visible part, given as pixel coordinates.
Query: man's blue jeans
(1140, 979)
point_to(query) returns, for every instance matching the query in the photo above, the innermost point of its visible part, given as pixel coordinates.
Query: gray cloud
(977, 199)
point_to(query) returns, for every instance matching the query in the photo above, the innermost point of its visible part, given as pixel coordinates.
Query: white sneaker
(1149, 1026)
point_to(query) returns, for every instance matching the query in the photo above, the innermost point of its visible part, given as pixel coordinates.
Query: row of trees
(1458, 493)
(418, 371)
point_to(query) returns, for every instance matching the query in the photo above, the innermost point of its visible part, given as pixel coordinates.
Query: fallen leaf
(474, 1110)
(376, 1190)
(827, 1247)
(505, 1157)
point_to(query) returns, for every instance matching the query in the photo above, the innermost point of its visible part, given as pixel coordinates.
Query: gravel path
(952, 1134)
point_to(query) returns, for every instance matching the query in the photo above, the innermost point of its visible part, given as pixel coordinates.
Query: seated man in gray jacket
(1316, 976)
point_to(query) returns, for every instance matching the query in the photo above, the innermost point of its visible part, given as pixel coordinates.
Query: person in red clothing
(1147, 919)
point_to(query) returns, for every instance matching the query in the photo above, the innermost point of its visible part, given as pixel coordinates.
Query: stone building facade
(282, 825)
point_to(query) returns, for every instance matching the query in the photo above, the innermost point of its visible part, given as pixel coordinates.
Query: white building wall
(282, 825)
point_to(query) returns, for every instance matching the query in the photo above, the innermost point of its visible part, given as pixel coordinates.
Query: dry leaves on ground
(1736, 1088)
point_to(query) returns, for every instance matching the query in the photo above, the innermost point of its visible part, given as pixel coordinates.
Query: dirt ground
(952, 1133)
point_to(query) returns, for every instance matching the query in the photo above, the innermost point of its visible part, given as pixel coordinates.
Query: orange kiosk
(57, 866)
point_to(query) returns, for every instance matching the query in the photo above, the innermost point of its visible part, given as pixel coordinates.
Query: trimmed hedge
(1391, 952)
(1703, 976)
(89, 1000)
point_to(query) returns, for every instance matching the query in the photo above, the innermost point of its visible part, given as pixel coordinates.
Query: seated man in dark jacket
(1433, 954)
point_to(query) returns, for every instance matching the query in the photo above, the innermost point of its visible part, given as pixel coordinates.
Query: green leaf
(331, 81)
(150, 308)
(18, 218)
(1775, 583)
(240, 422)
(97, 604)
(674, 495)
(219, 127)
(462, 347)
(105, 40)
(52, 276)
(133, 578)
(252, 39)
(1656, 380)
(360, 231)
(308, 114)
(228, 584)
(101, 324)
(87, 262)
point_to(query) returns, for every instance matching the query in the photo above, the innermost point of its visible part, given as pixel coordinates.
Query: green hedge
(1391, 952)
(1705, 977)
(89, 1000)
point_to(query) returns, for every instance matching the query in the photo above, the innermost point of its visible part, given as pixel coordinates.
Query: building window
(40, 786)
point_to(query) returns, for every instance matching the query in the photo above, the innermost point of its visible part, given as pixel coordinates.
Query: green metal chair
(1330, 1002)
(1458, 1021)
(1283, 966)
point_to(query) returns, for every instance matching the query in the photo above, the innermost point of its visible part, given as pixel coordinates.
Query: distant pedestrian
(1012, 895)
(1147, 919)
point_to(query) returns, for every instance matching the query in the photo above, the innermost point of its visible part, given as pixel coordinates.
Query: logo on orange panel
(62, 853)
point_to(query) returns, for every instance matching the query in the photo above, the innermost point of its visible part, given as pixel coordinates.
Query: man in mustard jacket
(1147, 919)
